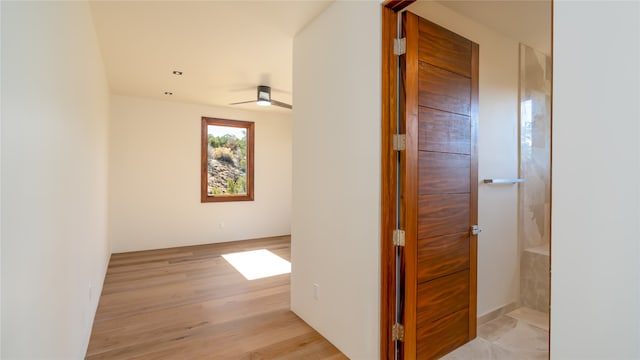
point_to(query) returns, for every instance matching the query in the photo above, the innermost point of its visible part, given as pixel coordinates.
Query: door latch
(475, 230)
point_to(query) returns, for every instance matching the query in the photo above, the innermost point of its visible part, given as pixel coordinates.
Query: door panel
(444, 90)
(442, 297)
(442, 336)
(439, 188)
(442, 255)
(444, 132)
(443, 173)
(444, 49)
(443, 214)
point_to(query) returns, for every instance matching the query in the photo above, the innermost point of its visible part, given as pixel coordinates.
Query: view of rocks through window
(227, 160)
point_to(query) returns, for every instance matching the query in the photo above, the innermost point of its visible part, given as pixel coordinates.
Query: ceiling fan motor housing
(264, 93)
(263, 98)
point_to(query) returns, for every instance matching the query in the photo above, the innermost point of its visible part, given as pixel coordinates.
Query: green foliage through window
(226, 155)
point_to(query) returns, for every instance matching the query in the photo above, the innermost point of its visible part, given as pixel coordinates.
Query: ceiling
(224, 49)
(526, 21)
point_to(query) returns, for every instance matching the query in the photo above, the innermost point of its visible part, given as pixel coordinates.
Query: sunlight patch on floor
(258, 264)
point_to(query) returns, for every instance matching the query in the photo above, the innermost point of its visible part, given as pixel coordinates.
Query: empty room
(209, 179)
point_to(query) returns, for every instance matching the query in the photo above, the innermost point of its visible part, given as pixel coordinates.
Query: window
(227, 160)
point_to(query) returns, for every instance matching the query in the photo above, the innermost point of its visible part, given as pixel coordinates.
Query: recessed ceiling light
(168, 93)
(176, 72)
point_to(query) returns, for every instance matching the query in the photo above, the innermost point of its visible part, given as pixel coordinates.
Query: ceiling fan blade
(281, 104)
(243, 102)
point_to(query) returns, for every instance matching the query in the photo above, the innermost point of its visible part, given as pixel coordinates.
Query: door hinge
(399, 142)
(400, 46)
(397, 332)
(475, 230)
(398, 237)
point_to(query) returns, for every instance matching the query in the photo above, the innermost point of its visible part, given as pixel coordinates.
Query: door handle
(475, 230)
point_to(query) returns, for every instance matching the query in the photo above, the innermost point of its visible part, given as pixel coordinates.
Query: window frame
(204, 159)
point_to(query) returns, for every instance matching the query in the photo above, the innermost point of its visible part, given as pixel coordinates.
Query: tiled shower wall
(534, 193)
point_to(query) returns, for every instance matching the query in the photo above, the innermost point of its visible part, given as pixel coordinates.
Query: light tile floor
(522, 334)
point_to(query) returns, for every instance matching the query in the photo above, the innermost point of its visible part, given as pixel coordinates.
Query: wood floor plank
(189, 303)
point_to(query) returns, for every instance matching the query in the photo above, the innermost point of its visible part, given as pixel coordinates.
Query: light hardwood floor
(189, 303)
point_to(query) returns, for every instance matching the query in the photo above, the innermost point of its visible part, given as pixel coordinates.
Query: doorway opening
(514, 144)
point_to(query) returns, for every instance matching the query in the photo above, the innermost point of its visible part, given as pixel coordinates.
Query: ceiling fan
(264, 98)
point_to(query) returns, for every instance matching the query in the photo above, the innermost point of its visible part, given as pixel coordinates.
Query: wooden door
(438, 188)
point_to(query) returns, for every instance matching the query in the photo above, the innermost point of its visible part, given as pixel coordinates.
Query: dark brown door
(438, 188)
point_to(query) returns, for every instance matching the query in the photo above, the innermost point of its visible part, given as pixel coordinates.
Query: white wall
(498, 254)
(154, 179)
(595, 284)
(336, 178)
(54, 179)
(1, 49)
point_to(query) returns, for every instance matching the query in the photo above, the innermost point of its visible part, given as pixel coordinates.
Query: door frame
(389, 183)
(389, 168)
